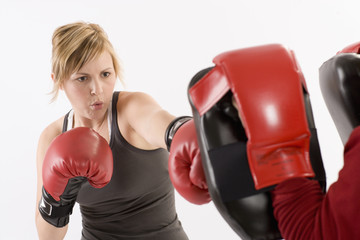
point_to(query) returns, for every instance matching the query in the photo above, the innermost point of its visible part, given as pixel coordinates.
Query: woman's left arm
(147, 118)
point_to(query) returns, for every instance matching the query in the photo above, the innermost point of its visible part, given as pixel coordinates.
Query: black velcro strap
(231, 169)
(53, 211)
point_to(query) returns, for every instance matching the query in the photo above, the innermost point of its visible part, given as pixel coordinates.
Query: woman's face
(90, 89)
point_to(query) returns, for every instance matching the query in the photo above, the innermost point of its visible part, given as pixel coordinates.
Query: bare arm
(146, 117)
(44, 229)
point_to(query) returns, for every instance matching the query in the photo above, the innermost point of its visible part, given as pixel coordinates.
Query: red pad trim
(352, 48)
(209, 90)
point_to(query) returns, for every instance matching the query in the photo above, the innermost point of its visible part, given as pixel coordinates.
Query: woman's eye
(106, 74)
(81, 79)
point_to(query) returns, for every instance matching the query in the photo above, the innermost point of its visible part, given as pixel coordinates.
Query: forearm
(297, 205)
(47, 231)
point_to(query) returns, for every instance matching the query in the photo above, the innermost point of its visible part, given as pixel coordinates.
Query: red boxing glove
(271, 108)
(73, 157)
(185, 166)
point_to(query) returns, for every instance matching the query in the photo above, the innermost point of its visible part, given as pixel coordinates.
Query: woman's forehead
(100, 62)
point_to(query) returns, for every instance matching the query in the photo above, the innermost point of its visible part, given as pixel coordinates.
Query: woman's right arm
(44, 229)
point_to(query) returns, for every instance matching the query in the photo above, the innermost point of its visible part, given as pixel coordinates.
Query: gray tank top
(138, 202)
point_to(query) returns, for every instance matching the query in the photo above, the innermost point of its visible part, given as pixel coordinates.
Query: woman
(138, 202)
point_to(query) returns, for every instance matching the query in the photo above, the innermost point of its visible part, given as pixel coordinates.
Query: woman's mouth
(97, 105)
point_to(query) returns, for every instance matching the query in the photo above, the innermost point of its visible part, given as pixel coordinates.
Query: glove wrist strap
(173, 127)
(53, 212)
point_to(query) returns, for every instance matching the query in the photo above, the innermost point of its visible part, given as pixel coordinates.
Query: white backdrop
(162, 44)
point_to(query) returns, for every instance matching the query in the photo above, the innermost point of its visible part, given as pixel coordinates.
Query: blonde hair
(75, 44)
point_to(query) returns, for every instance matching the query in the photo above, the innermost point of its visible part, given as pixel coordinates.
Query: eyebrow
(81, 73)
(109, 68)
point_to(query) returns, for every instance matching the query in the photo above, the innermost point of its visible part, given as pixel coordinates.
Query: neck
(98, 125)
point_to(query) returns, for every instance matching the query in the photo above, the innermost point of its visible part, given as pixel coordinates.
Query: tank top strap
(68, 119)
(114, 110)
(113, 127)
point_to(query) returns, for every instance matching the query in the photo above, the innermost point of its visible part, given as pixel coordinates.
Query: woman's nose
(96, 87)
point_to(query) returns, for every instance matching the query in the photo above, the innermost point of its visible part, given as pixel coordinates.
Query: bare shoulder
(48, 134)
(136, 103)
(140, 117)
(134, 98)
(51, 131)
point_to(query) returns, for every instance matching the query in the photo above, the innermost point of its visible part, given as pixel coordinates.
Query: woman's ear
(53, 78)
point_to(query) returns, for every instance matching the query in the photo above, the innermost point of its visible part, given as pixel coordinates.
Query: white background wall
(162, 44)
